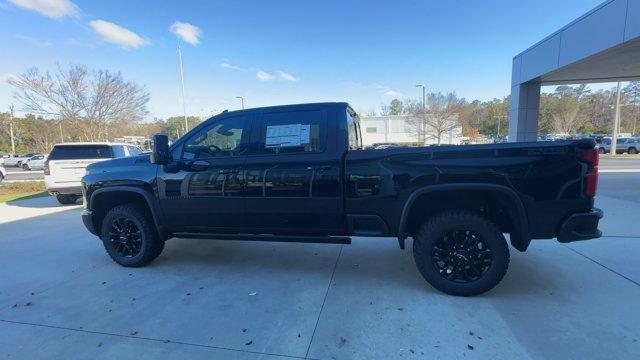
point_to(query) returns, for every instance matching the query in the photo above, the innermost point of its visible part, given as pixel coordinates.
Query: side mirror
(160, 153)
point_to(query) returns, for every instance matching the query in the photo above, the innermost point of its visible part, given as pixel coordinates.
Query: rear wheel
(25, 167)
(129, 237)
(461, 253)
(1, 177)
(601, 150)
(66, 199)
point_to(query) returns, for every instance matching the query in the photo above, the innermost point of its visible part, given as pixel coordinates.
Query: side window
(354, 140)
(292, 132)
(223, 138)
(118, 151)
(133, 151)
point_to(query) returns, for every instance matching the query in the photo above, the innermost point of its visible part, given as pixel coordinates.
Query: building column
(523, 113)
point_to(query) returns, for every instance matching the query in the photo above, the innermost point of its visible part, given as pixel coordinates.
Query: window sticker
(291, 135)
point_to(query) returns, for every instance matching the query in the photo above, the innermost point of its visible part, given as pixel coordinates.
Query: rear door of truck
(293, 173)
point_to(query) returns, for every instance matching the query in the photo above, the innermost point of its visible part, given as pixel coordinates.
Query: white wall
(396, 129)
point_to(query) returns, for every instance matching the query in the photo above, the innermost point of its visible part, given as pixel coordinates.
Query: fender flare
(152, 203)
(519, 240)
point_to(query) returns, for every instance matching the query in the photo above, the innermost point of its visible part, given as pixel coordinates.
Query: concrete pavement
(62, 297)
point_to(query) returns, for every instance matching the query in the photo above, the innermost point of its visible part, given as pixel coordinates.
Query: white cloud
(118, 35)
(226, 65)
(34, 41)
(286, 76)
(391, 93)
(186, 32)
(54, 9)
(264, 76)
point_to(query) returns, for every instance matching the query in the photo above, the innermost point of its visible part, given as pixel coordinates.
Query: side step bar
(275, 238)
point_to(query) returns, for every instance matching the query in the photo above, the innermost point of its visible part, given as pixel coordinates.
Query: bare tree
(440, 116)
(89, 101)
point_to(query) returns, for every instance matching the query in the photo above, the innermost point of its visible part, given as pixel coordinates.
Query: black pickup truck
(299, 173)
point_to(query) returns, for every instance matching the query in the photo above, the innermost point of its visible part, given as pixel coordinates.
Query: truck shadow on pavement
(367, 263)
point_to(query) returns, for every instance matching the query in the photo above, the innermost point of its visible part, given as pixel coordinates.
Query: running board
(249, 237)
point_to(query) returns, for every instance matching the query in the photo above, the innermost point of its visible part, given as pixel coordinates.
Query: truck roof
(288, 107)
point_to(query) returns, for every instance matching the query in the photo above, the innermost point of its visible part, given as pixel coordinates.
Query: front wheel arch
(104, 199)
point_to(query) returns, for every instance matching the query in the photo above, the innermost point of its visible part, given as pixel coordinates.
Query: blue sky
(280, 52)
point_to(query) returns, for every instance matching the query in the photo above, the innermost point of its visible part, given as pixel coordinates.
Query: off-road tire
(66, 199)
(151, 244)
(436, 227)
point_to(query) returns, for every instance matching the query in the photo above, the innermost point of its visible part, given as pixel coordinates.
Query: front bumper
(581, 226)
(87, 219)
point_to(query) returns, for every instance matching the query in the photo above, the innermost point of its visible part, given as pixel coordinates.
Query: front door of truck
(293, 174)
(205, 195)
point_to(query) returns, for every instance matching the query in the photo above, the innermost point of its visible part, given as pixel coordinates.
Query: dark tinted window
(292, 132)
(69, 152)
(222, 138)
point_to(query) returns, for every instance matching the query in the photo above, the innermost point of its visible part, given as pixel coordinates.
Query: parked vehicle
(298, 173)
(35, 162)
(67, 163)
(3, 172)
(624, 145)
(17, 160)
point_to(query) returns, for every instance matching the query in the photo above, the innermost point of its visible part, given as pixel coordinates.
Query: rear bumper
(581, 226)
(87, 220)
(72, 190)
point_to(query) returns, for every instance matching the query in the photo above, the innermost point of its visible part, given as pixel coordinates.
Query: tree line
(565, 110)
(79, 104)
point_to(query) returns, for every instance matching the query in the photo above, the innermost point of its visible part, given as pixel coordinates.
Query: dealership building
(603, 45)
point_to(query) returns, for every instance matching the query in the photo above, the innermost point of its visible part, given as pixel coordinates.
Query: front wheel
(632, 150)
(601, 150)
(461, 253)
(66, 199)
(25, 167)
(129, 237)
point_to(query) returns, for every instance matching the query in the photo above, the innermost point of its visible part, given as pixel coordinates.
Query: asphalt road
(62, 297)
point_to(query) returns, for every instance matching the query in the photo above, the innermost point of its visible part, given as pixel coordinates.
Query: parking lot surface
(62, 297)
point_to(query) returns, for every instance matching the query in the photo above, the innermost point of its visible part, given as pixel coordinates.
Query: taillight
(46, 168)
(591, 178)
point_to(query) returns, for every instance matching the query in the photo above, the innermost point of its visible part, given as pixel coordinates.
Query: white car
(67, 164)
(35, 162)
(17, 160)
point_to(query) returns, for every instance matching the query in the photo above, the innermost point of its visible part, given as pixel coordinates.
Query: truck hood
(118, 163)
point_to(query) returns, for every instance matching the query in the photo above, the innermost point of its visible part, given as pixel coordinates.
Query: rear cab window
(79, 152)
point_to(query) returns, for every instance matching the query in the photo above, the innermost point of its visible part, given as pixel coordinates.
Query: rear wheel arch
(103, 200)
(501, 204)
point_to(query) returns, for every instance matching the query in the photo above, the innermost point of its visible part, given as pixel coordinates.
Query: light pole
(424, 106)
(184, 103)
(13, 143)
(241, 100)
(616, 124)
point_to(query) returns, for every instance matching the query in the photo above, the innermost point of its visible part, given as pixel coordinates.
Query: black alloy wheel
(126, 237)
(462, 256)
